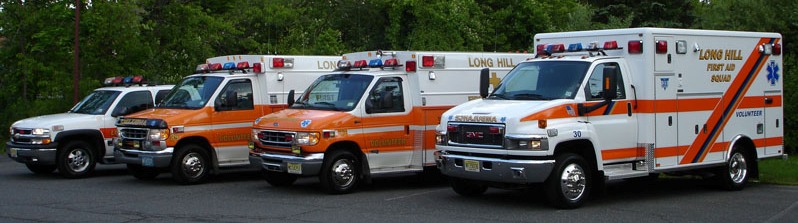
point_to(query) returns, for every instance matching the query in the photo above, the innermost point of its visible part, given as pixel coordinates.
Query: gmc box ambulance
(616, 104)
(204, 123)
(75, 141)
(376, 115)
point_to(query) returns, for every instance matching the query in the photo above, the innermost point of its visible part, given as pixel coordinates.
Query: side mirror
(119, 111)
(484, 82)
(610, 83)
(218, 105)
(290, 98)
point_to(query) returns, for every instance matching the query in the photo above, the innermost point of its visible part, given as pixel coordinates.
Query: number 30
(577, 134)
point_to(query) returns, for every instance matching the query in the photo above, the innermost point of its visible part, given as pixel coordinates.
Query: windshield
(337, 92)
(544, 80)
(96, 103)
(191, 93)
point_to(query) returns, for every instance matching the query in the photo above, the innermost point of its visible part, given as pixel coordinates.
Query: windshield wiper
(529, 96)
(331, 105)
(498, 96)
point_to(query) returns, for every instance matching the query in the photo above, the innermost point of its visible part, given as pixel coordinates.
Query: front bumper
(157, 159)
(33, 154)
(493, 169)
(309, 165)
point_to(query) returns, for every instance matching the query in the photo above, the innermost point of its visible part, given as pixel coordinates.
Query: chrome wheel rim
(738, 169)
(78, 160)
(192, 165)
(572, 182)
(343, 173)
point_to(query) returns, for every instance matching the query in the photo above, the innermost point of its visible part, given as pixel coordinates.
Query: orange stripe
(716, 119)
(109, 132)
(624, 153)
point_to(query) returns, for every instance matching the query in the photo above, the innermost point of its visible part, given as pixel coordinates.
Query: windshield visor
(544, 80)
(191, 93)
(336, 92)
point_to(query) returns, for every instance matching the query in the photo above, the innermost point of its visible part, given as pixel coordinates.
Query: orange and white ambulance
(649, 101)
(375, 115)
(204, 123)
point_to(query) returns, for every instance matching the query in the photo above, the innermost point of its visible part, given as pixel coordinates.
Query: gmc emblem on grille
(474, 135)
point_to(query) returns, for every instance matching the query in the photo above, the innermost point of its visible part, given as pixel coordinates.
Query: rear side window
(133, 102)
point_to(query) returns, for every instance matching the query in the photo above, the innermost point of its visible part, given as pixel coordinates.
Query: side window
(593, 90)
(387, 96)
(160, 95)
(237, 95)
(133, 102)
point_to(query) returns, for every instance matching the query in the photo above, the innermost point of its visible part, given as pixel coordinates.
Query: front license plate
(471, 165)
(12, 152)
(147, 161)
(295, 168)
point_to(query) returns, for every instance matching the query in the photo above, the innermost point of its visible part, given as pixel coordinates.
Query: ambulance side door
(386, 124)
(232, 117)
(615, 123)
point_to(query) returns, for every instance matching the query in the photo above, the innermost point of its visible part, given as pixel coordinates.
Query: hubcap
(572, 182)
(78, 160)
(737, 168)
(192, 165)
(342, 173)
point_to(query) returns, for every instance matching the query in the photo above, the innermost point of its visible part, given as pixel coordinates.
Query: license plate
(295, 168)
(12, 152)
(471, 165)
(147, 161)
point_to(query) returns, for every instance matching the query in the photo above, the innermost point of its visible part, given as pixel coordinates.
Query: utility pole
(76, 70)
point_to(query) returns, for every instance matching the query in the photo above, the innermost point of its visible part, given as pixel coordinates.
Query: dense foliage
(164, 40)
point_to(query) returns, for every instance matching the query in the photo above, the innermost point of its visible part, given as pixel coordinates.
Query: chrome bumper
(494, 170)
(301, 165)
(156, 159)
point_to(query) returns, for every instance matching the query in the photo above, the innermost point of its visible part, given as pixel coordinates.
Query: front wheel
(40, 169)
(466, 187)
(278, 179)
(142, 173)
(76, 160)
(340, 174)
(735, 175)
(190, 165)
(569, 183)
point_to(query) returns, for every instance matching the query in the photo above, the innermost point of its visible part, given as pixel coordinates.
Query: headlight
(40, 132)
(158, 134)
(538, 144)
(306, 138)
(255, 133)
(440, 138)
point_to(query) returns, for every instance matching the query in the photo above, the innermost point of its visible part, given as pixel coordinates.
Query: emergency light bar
(118, 81)
(279, 62)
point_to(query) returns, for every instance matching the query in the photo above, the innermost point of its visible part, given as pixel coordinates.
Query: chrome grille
(276, 138)
(23, 136)
(133, 133)
(476, 134)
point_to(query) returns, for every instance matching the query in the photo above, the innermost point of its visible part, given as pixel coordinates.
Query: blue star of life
(773, 72)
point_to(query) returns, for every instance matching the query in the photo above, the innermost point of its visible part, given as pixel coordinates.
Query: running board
(625, 171)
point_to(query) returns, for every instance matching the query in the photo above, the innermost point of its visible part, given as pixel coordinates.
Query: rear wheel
(190, 165)
(467, 188)
(142, 173)
(76, 160)
(569, 183)
(340, 174)
(735, 175)
(40, 169)
(278, 179)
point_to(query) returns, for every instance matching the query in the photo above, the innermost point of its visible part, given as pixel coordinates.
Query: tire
(190, 165)
(467, 188)
(734, 176)
(142, 173)
(76, 160)
(570, 183)
(40, 169)
(278, 179)
(340, 174)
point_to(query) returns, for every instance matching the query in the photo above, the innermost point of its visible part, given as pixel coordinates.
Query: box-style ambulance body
(679, 100)
(204, 123)
(375, 115)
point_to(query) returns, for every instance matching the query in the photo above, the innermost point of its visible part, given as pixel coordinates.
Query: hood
(302, 119)
(68, 120)
(501, 110)
(175, 117)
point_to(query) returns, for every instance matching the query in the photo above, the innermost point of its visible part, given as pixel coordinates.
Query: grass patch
(779, 171)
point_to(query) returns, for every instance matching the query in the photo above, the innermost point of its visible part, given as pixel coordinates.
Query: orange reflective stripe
(625, 153)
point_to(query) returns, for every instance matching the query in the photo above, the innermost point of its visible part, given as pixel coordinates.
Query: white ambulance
(75, 141)
(204, 124)
(375, 115)
(615, 104)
